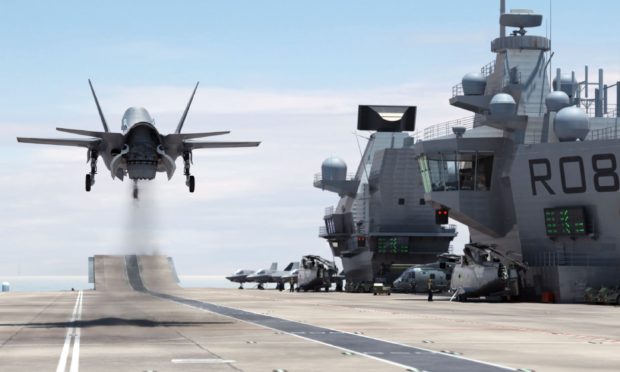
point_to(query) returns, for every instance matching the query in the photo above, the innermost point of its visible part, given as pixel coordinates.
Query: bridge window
(466, 171)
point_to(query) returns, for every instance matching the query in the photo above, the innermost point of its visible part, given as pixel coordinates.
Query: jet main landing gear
(90, 177)
(190, 181)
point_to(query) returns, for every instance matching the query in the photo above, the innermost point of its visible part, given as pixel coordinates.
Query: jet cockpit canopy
(135, 115)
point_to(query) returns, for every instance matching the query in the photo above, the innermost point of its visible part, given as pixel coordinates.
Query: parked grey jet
(486, 272)
(272, 275)
(140, 150)
(240, 276)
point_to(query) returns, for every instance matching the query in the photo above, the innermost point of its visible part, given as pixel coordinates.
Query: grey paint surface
(127, 330)
(532, 171)
(384, 350)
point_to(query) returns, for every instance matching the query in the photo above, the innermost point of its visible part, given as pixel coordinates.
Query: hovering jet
(139, 151)
(240, 276)
(486, 272)
(272, 275)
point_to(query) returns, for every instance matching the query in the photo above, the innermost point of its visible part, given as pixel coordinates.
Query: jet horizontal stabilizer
(81, 132)
(191, 145)
(88, 143)
(202, 135)
(179, 137)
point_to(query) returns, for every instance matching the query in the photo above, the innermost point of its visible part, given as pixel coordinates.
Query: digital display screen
(565, 221)
(397, 244)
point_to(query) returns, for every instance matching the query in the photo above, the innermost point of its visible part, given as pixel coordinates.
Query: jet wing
(193, 145)
(89, 143)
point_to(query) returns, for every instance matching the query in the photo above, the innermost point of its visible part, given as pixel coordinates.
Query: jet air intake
(142, 157)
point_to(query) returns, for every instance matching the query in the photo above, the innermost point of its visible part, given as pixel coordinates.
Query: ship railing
(322, 231)
(602, 134)
(318, 177)
(612, 112)
(552, 259)
(443, 129)
(329, 211)
(457, 90)
(532, 137)
(485, 70)
(488, 69)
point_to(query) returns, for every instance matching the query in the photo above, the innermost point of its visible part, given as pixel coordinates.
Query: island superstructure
(535, 170)
(381, 223)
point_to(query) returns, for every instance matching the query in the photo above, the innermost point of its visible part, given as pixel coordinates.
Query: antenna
(502, 10)
(361, 153)
(550, 38)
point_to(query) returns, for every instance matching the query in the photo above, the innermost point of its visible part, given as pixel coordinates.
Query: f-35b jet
(140, 151)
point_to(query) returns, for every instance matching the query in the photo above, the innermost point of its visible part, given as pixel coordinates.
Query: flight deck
(138, 319)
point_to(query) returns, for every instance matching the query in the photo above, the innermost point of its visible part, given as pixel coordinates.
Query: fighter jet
(139, 150)
(272, 275)
(240, 276)
(486, 272)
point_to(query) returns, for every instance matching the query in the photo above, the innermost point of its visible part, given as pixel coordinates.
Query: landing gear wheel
(88, 182)
(191, 183)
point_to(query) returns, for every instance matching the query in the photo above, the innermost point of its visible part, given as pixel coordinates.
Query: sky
(288, 73)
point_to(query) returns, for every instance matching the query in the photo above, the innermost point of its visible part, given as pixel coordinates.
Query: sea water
(67, 283)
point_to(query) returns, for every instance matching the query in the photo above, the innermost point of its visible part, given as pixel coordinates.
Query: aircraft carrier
(139, 319)
(522, 173)
(533, 172)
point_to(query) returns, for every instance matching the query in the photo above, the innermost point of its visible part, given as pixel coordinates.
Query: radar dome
(566, 84)
(502, 104)
(571, 123)
(474, 84)
(334, 169)
(557, 100)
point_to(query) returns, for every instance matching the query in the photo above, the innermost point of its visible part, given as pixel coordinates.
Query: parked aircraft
(140, 150)
(415, 278)
(240, 276)
(272, 275)
(486, 272)
(316, 273)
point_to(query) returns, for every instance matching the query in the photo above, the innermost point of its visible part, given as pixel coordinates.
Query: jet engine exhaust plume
(142, 224)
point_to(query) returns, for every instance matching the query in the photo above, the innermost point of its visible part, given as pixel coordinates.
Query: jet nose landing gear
(90, 177)
(190, 181)
(135, 190)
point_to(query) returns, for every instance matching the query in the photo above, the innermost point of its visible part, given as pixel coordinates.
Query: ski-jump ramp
(132, 272)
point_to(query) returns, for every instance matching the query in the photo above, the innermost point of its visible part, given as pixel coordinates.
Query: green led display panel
(396, 244)
(565, 221)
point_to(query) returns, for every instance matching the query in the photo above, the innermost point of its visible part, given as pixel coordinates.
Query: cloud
(251, 206)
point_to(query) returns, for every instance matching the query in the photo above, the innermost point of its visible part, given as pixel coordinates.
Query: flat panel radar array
(565, 221)
(386, 118)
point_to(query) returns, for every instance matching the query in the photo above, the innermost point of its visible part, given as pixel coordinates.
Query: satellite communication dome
(503, 104)
(474, 84)
(571, 123)
(334, 169)
(557, 100)
(567, 85)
